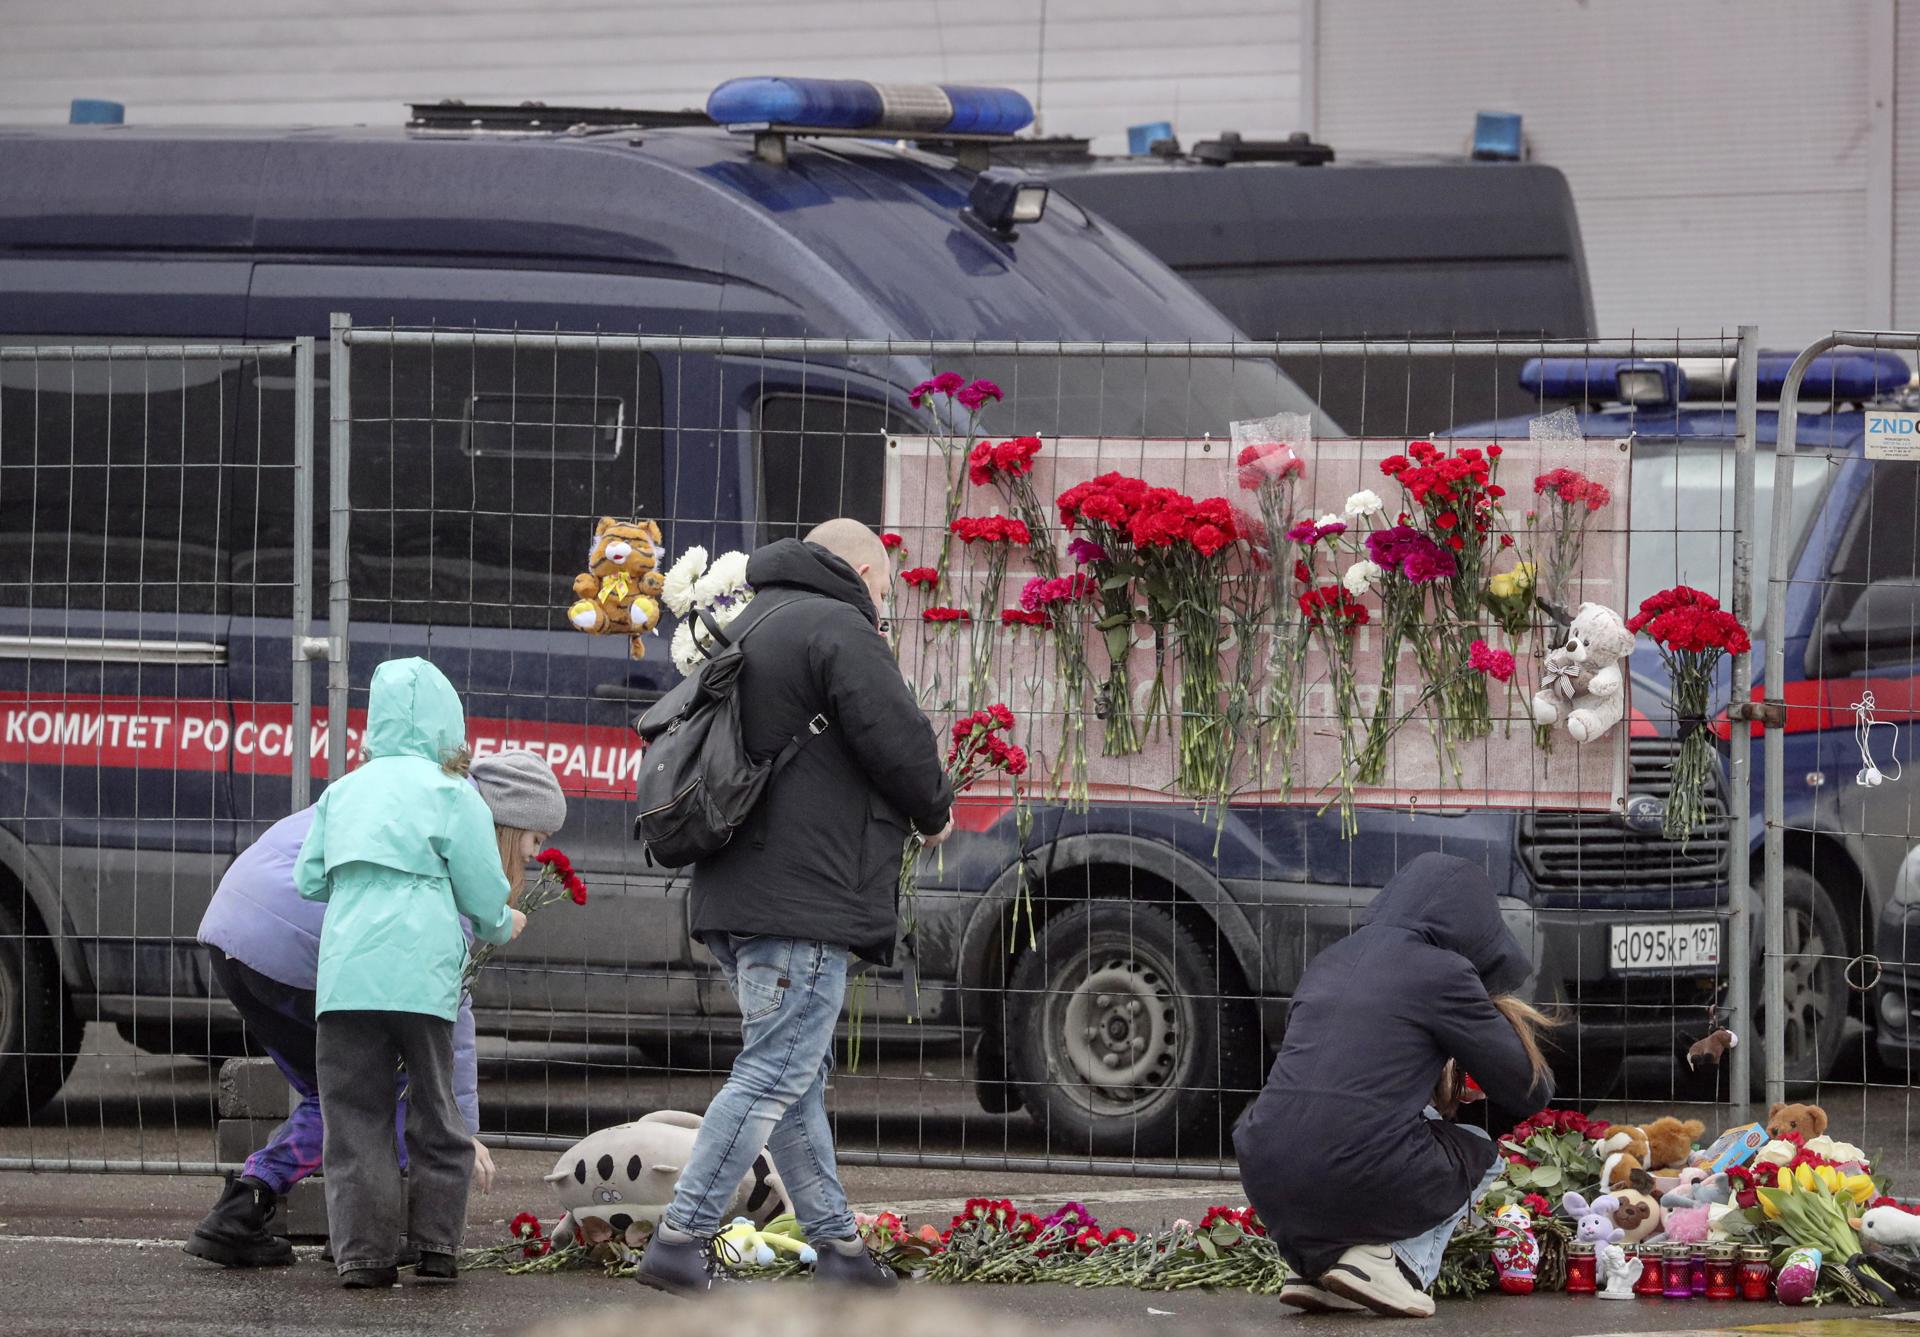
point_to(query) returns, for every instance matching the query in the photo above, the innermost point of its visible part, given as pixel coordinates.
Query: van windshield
(1138, 396)
(1684, 521)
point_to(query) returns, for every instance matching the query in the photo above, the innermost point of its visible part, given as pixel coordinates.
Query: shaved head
(860, 548)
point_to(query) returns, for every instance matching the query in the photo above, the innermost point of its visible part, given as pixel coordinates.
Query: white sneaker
(1370, 1275)
(1308, 1298)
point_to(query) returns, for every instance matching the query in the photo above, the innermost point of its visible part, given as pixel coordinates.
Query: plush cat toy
(619, 592)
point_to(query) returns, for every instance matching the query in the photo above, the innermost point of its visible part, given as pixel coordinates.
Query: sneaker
(370, 1278)
(851, 1264)
(1309, 1298)
(436, 1267)
(677, 1263)
(234, 1233)
(1370, 1274)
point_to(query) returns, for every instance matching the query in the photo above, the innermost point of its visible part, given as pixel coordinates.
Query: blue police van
(1852, 623)
(147, 522)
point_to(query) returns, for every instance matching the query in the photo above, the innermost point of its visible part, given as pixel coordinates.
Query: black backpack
(697, 783)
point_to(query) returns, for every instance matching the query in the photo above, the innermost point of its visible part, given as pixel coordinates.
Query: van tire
(1078, 1007)
(39, 1031)
(1817, 998)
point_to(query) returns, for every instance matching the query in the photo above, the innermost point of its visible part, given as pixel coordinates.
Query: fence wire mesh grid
(1101, 977)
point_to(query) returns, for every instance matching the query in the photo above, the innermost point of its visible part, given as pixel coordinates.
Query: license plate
(1633, 947)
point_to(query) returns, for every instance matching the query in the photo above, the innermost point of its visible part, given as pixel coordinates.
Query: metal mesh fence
(1839, 671)
(1099, 977)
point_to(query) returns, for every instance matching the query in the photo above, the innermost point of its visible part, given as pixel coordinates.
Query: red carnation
(892, 541)
(921, 576)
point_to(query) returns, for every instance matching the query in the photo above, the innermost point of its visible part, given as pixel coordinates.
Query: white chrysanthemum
(681, 578)
(685, 657)
(1364, 502)
(1361, 577)
(727, 574)
(1331, 519)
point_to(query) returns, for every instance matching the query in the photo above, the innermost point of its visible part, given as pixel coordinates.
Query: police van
(146, 521)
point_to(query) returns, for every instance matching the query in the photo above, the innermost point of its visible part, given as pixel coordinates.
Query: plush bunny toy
(1596, 1219)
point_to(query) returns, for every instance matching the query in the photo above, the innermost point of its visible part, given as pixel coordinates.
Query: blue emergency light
(855, 105)
(1497, 137)
(1656, 382)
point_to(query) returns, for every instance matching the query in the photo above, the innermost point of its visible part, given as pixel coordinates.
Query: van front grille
(1595, 852)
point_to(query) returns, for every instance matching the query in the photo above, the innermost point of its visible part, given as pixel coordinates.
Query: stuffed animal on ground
(1890, 1228)
(1595, 1219)
(619, 592)
(1663, 1144)
(1516, 1250)
(1690, 1225)
(1581, 685)
(619, 1181)
(1617, 1274)
(743, 1245)
(1697, 1188)
(1810, 1121)
(1636, 1215)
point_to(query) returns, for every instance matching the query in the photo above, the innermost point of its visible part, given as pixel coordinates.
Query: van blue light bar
(1653, 381)
(855, 104)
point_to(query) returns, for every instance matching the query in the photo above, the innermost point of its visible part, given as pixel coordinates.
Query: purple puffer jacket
(260, 920)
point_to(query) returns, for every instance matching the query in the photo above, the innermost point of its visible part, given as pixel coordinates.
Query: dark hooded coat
(819, 859)
(1336, 1151)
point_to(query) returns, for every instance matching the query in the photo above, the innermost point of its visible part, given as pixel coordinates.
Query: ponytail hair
(1528, 1022)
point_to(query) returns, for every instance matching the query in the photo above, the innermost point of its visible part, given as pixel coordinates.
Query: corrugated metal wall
(1096, 66)
(1718, 151)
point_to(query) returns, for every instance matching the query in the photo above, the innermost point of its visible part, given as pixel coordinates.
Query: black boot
(234, 1233)
(850, 1263)
(676, 1263)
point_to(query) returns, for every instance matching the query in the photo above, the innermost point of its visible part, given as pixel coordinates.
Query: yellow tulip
(1805, 1177)
(1859, 1187)
(1770, 1207)
(1783, 1179)
(1828, 1176)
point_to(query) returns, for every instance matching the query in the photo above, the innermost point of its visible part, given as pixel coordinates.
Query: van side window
(112, 493)
(1883, 541)
(820, 456)
(476, 478)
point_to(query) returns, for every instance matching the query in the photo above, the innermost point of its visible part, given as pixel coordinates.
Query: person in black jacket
(1355, 1174)
(809, 879)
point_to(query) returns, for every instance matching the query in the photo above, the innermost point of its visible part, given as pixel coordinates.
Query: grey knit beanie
(521, 790)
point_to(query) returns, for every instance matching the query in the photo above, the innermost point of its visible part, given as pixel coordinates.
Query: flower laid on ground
(1693, 632)
(1496, 664)
(557, 882)
(1815, 1207)
(1100, 512)
(526, 1227)
(953, 437)
(1548, 1153)
(696, 584)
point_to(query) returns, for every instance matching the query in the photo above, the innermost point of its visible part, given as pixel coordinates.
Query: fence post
(1740, 870)
(304, 646)
(339, 444)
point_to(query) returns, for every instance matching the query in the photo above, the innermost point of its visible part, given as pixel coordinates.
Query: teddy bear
(618, 1182)
(1581, 685)
(1636, 1215)
(1809, 1121)
(619, 592)
(1661, 1145)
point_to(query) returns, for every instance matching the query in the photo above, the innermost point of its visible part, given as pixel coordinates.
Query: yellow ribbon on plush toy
(616, 590)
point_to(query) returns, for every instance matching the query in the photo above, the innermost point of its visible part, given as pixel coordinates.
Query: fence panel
(151, 604)
(1840, 821)
(1097, 982)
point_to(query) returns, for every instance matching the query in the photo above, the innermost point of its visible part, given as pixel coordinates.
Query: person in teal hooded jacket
(400, 849)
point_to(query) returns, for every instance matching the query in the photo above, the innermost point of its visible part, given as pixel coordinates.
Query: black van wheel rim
(1118, 1030)
(1804, 986)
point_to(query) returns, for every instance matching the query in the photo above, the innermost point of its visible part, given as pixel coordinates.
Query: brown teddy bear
(619, 592)
(1661, 1145)
(1809, 1121)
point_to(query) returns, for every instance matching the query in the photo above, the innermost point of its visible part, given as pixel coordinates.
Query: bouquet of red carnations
(1692, 632)
(1101, 513)
(557, 882)
(979, 749)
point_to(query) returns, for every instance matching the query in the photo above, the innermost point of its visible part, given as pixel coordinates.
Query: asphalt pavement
(99, 1253)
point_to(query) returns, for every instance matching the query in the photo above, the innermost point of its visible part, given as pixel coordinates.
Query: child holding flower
(401, 850)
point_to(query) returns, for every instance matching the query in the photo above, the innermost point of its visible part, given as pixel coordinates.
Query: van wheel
(1120, 1040)
(39, 1033)
(1814, 986)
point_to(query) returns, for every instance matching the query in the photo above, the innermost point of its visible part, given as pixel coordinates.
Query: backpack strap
(816, 726)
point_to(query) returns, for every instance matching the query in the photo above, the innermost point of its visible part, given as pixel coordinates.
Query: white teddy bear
(1582, 684)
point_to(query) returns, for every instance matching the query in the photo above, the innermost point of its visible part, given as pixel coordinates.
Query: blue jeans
(790, 994)
(1422, 1253)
